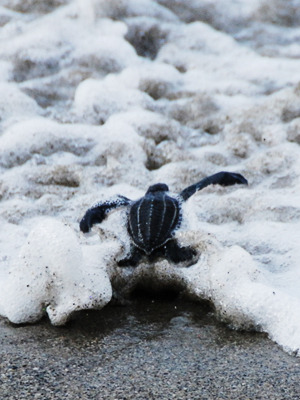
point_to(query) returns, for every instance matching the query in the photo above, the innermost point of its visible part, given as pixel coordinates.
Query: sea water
(100, 98)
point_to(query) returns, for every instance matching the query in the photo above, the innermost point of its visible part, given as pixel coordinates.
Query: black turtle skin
(153, 219)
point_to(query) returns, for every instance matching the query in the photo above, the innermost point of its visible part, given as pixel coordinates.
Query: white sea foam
(102, 98)
(48, 275)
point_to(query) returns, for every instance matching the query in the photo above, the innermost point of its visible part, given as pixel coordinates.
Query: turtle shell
(153, 219)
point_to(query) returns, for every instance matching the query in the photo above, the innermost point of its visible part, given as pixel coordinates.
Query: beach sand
(150, 349)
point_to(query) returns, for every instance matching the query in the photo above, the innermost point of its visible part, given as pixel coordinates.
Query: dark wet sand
(149, 350)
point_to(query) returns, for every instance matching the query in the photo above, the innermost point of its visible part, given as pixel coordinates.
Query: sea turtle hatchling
(153, 219)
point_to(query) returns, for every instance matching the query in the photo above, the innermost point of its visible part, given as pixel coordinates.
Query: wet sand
(150, 349)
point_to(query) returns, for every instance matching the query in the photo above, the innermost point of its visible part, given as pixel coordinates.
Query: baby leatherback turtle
(153, 219)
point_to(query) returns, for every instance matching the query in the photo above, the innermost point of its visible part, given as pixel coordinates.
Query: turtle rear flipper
(133, 258)
(176, 254)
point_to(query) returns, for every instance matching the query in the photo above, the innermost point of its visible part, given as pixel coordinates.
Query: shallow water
(100, 98)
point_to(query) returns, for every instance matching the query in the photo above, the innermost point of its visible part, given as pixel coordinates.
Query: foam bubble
(53, 275)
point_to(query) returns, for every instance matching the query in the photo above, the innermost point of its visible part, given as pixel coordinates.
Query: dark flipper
(97, 213)
(177, 254)
(133, 259)
(221, 178)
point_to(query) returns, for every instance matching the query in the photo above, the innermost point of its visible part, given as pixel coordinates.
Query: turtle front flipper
(221, 178)
(97, 213)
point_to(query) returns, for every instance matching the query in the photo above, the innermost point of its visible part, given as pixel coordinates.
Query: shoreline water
(150, 349)
(106, 98)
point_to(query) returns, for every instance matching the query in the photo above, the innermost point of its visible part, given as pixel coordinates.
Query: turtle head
(158, 187)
